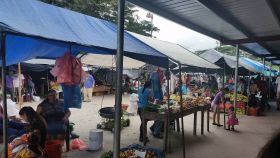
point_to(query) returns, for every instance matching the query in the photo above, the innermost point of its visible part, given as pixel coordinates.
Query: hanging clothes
(156, 86)
(70, 75)
(72, 96)
(68, 70)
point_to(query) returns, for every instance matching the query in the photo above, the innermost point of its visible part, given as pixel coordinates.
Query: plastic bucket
(95, 139)
(54, 149)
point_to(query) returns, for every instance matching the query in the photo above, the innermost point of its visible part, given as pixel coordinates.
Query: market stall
(32, 29)
(191, 105)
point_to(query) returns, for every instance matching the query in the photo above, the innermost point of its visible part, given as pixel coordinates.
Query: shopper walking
(88, 87)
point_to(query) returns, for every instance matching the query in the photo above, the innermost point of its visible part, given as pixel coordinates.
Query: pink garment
(161, 76)
(232, 120)
(206, 93)
(68, 70)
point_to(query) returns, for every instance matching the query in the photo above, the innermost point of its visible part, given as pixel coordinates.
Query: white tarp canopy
(176, 52)
(109, 61)
(97, 60)
(214, 56)
(41, 61)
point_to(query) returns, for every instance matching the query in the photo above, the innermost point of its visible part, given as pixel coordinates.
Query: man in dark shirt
(264, 92)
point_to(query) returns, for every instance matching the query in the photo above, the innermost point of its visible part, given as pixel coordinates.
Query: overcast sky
(172, 32)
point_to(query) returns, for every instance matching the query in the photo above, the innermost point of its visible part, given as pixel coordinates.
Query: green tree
(107, 10)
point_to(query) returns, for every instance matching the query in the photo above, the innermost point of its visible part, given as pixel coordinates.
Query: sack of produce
(137, 150)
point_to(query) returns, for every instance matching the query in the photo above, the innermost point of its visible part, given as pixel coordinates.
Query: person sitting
(32, 149)
(56, 116)
(37, 124)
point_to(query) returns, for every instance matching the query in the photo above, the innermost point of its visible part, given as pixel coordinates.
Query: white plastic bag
(12, 108)
(133, 105)
(36, 98)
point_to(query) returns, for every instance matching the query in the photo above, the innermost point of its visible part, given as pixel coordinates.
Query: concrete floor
(251, 135)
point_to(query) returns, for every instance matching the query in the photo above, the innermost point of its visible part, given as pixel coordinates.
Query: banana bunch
(240, 98)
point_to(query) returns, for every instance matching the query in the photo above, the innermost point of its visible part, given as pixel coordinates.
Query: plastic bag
(78, 144)
(36, 98)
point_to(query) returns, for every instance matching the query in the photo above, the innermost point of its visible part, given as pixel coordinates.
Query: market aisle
(219, 143)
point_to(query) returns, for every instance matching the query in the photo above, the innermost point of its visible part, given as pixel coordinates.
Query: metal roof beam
(274, 6)
(147, 4)
(219, 10)
(266, 55)
(252, 40)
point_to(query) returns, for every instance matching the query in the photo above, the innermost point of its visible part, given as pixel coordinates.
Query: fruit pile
(240, 97)
(131, 153)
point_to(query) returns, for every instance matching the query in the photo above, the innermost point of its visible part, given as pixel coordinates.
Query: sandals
(219, 125)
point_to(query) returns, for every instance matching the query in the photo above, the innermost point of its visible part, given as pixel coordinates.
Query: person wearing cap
(88, 87)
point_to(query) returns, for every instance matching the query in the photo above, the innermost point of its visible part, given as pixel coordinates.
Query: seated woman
(35, 128)
(37, 124)
(52, 110)
(32, 149)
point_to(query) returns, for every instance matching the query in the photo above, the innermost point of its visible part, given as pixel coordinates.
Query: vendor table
(149, 116)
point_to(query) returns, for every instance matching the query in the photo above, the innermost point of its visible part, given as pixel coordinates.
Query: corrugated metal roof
(224, 19)
(176, 52)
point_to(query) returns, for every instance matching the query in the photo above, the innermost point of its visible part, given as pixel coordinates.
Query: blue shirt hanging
(72, 96)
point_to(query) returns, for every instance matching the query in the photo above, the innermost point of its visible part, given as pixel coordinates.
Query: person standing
(278, 92)
(18, 84)
(88, 87)
(213, 85)
(215, 105)
(144, 95)
(264, 92)
(10, 85)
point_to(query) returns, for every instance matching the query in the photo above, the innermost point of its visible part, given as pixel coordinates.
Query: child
(232, 120)
(206, 92)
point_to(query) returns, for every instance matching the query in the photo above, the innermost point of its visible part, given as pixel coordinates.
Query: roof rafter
(226, 16)
(176, 18)
(275, 10)
(252, 40)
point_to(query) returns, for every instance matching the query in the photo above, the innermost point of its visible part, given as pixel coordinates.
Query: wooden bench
(100, 90)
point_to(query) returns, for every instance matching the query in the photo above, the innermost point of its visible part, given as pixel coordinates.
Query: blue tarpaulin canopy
(38, 30)
(258, 67)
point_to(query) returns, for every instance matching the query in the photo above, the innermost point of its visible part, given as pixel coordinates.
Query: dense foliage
(107, 10)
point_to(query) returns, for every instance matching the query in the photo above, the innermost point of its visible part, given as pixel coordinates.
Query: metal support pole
(182, 116)
(4, 97)
(118, 97)
(168, 147)
(236, 76)
(224, 73)
(248, 90)
(263, 66)
(269, 84)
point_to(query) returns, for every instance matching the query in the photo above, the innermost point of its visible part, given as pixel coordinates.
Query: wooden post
(19, 86)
